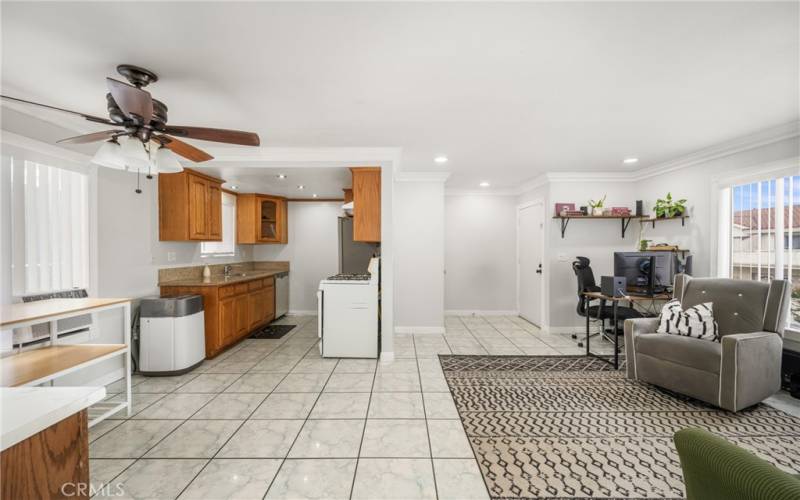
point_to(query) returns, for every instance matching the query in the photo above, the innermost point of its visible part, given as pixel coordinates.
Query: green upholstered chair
(715, 469)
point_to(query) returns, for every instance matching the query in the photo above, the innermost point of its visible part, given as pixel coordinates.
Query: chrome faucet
(226, 270)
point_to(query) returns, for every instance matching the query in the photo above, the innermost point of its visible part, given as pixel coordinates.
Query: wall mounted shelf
(624, 220)
(653, 220)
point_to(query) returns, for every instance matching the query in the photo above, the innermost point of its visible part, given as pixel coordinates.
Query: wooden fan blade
(87, 117)
(215, 135)
(134, 102)
(86, 138)
(183, 149)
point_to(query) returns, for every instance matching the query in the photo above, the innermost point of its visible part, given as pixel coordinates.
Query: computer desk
(590, 296)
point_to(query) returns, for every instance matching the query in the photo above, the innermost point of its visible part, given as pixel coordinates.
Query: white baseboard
(469, 312)
(300, 312)
(387, 356)
(432, 330)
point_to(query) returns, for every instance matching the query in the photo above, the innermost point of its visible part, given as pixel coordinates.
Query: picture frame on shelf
(561, 208)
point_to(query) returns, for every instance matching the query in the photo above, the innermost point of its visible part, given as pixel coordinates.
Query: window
(50, 228)
(765, 233)
(226, 247)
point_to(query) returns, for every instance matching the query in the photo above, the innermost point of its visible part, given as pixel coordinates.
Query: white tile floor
(271, 419)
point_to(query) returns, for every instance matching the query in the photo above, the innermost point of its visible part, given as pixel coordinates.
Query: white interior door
(529, 235)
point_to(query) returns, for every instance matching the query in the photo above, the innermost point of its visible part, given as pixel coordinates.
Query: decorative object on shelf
(620, 211)
(585, 210)
(667, 207)
(643, 245)
(597, 206)
(562, 208)
(149, 144)
(663, 247)
(639, 207)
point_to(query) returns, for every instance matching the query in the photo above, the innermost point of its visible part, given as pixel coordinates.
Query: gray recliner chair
(742, 369)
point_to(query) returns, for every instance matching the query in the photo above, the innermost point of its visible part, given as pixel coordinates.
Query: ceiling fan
(141, 123)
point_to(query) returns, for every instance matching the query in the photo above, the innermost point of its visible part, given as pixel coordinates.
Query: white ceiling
(506, 91)
(323, 181)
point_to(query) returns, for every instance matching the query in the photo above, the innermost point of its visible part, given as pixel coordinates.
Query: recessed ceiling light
(630, 161)
(314, 195)
(484, 184)
(235, 187)
(301, 187)
(440, 159)
(281, 176)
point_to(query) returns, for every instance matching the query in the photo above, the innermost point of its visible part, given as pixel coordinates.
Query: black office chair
(602, 312)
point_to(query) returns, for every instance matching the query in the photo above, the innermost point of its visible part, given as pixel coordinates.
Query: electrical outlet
(171, 257)
(562, 257)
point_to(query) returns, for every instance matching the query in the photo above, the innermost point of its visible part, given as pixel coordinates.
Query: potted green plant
(667, 207)
(597, 206)
(643, 245)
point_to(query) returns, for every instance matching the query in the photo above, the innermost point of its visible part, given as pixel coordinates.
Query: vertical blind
(765, 233)
(54, 227)
(227, 245)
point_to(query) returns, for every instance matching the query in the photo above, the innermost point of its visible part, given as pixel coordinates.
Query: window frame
(721, 195)
(21, 149)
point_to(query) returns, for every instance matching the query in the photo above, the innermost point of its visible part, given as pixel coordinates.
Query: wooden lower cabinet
(231, 311)
(53, 463)
(227, 322)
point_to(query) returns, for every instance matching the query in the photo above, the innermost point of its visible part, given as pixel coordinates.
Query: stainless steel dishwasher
(281, 294)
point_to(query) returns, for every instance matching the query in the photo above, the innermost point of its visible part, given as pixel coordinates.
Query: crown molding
(727, 148)
(37, 146)
(721, 150)
(482, 192)
(402, 176)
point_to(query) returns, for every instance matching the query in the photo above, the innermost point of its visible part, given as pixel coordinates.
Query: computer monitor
(648, 271)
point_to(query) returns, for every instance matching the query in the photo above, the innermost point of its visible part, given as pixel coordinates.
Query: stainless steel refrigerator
(353, 255)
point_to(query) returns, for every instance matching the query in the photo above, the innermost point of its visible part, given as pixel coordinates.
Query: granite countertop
(221, 280)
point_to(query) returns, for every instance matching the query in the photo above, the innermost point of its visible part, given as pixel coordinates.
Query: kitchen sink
(235, 275)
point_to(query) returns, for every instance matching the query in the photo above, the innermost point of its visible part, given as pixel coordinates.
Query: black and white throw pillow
(697, 321)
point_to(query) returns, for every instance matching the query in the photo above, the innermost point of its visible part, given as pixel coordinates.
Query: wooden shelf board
(657, 219)
(12, 314)
(598, 217)
(25, 367)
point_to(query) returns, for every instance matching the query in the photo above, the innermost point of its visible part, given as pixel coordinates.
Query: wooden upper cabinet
(189, 207)
(348, 195)
(366, 204)
(215, 211)
(261, 219)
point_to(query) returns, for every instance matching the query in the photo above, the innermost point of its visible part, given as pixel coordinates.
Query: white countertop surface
(25, 411)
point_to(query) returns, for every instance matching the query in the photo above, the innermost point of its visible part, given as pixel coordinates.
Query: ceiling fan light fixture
(110, 155)
(134, 154)
(166, 162)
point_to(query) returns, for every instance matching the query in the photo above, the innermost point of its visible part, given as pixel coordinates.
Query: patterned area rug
(572, 427)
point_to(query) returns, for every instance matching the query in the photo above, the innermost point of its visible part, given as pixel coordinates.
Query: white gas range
(347, 308)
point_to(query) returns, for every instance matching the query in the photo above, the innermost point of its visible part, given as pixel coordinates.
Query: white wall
(597, 240)
(312, 251)
(129, 252)
(419, 256)
(695, 184)
(480, 253)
